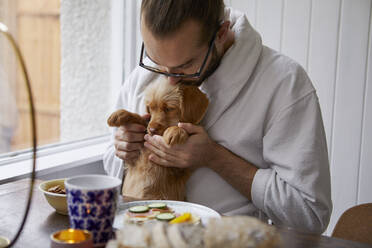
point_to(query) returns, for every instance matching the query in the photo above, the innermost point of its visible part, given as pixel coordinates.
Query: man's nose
(173, 80)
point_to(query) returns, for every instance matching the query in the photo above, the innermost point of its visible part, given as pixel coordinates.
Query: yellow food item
(71, 236)
(181, 219)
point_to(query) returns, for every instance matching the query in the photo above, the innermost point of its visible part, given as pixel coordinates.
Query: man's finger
(157, 141)
(133, 137)
(165, 154)
(155, 150)
(159, 161)
(190, 128)
(133, 128)
(128, 147)
(127, 155)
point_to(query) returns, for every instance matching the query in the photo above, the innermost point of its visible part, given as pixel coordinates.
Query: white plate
(203, 212)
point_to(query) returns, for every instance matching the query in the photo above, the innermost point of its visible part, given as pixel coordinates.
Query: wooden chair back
(355, 224)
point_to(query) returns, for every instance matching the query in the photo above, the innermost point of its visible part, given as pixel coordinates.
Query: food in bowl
(56, 199)
(58, 189)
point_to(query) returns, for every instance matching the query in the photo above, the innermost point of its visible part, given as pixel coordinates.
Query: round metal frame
(5, 31)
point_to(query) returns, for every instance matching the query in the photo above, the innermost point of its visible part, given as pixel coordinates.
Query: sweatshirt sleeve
(111, 163)
(295, 189)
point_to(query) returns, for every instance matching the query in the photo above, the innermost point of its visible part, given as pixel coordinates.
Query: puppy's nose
(152, 130)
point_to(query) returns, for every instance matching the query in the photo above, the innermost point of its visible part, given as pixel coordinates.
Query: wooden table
(43, 221)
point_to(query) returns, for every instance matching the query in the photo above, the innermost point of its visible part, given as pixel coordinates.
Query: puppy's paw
(122, 117)
(175, 135)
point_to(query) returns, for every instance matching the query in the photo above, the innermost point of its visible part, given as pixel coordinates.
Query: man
(261, 148)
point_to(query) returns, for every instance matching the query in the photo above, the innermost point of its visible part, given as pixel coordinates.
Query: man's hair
(164, 17)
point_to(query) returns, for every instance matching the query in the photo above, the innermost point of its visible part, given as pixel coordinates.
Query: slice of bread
(175, 237)
(239, 231)
(134, 236)
(159, 237)
(193, 235)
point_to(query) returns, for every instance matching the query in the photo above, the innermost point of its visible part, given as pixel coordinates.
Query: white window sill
(53, 159)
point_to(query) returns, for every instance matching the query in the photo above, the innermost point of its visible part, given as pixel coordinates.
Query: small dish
(71, 238)
(57, 201)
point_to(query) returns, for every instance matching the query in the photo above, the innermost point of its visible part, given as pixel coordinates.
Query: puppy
(168, 105)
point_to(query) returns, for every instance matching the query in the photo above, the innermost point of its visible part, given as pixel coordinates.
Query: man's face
(181, 52)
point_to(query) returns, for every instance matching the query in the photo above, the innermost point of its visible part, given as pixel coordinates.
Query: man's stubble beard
(208, 71)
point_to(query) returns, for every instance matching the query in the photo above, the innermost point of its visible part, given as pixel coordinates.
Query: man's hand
(128, 141)
(192, 154)
(199, 150)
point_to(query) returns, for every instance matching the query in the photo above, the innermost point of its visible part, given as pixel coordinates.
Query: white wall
(332, 40)
(91, 70)
(132, 35)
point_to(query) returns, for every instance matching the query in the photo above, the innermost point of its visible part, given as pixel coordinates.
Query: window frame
(53, 158)
(67, 155)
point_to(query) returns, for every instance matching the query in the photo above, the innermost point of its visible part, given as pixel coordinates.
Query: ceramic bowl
(57, 201)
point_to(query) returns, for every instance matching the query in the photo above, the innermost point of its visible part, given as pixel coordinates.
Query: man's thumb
(190, 128)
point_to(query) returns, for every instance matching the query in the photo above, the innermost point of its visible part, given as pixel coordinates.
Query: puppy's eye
(167, 109)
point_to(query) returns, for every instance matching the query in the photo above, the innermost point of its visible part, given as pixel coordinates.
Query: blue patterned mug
(91, 201)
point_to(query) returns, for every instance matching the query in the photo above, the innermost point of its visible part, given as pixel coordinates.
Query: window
(74, 55)
(35, 25)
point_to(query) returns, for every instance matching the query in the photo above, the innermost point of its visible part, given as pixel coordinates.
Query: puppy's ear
(194, 104)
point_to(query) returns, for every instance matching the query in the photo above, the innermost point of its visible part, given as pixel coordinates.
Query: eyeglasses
(177, 75)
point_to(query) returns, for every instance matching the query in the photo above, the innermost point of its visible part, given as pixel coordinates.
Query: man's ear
(194, 104)
(222, 33)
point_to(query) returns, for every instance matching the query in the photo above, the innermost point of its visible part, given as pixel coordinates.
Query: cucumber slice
(139, 209)
(158, 205)
(165, 216)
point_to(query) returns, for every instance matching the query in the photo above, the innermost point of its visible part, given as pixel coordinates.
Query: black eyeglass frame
(179, 75)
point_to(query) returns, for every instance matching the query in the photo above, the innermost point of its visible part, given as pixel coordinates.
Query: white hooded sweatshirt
(263, 108)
